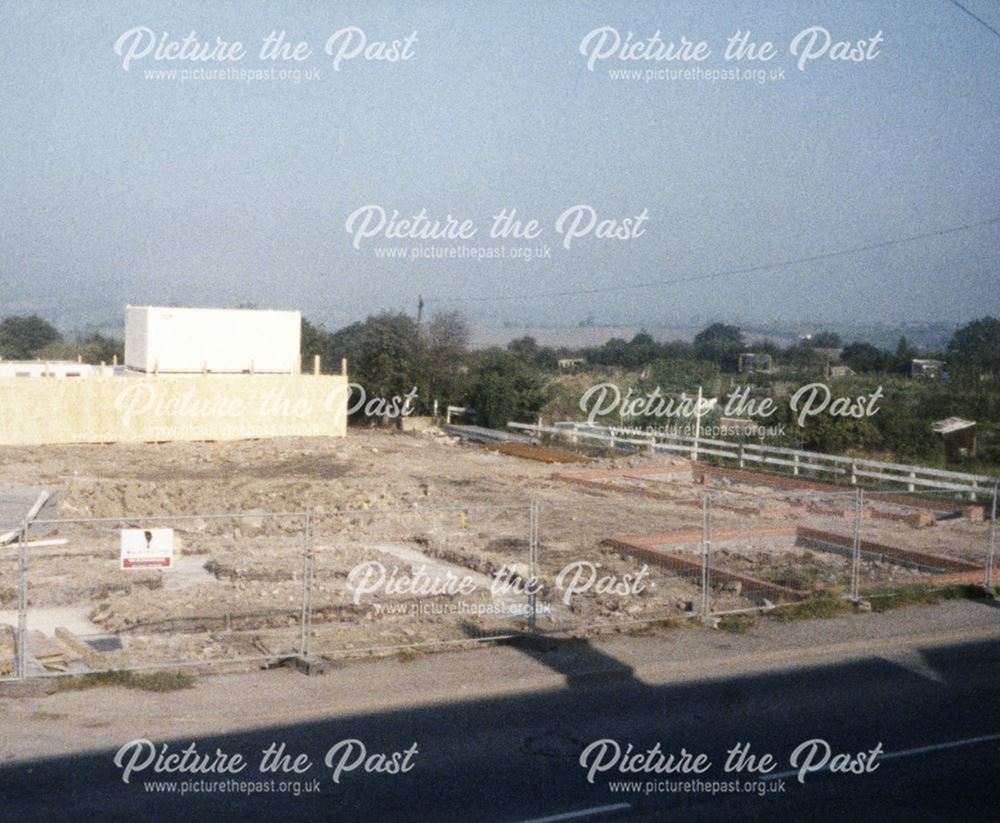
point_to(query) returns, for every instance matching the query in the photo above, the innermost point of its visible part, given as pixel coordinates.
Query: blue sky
(120, 188)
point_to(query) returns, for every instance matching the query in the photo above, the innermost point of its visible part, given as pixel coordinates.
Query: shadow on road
(575, 658)
(517, 758)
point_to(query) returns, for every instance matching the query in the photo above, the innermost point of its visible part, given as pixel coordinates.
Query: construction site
(204, 504)
(268, 536)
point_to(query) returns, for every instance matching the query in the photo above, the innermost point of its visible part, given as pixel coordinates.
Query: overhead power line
(974, 17)
(884, 244)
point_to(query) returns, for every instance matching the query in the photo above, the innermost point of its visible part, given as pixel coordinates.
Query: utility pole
(697, 427)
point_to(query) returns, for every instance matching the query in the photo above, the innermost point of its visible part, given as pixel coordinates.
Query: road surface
(497, 735)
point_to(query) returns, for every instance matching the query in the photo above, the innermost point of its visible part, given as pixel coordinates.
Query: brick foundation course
(637, 473)
(917, 520)
(692, 568)
(934, 561)
(689, 538)
(703, 474)
(650, 547)
(975, 578)
(591, 480)
(930, 504)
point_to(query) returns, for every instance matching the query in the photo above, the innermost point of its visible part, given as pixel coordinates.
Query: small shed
(926, 369)
(959, 437)
(751, 362)
(837, 370)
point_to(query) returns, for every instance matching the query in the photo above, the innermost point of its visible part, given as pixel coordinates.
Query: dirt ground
(399, 502)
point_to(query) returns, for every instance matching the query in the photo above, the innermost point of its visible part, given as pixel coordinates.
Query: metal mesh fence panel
(990, 560)
(11, 600)
(101, 596)
(388, 580)
(920, 540)
(617, 560)
(775, 548)
(632, 549)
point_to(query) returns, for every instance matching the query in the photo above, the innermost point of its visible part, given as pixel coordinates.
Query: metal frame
(22, 603)
(991, 541)
(534, 509)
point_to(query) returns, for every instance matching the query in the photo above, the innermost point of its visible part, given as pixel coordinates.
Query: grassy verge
(884, 599)
(737, 623)
(650, 628)
(824, 604)
(819, 606)
(164, 681)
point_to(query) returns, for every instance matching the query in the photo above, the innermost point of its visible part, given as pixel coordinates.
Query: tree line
(391, 353)
(29, 337)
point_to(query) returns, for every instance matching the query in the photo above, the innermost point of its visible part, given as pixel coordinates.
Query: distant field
(574, 337)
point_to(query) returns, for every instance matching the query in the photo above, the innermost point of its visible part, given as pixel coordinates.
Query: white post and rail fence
(822, 466)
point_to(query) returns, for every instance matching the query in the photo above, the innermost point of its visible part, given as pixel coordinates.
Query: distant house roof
(951, 424)
(48, 368)
(755, 361)
(839, 370)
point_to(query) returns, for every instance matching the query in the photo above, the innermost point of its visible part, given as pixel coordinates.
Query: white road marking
(933, 747)
(581, 813)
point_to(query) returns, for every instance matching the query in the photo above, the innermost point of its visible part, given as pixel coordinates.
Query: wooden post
(343, 366)
(316, 364)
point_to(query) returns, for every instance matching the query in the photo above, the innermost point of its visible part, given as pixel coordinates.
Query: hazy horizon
(122, 187)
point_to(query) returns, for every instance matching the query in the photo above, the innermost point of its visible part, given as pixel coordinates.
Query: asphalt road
(517, 758)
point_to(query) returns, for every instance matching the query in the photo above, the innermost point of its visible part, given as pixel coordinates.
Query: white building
(47, 368)
(164, 340)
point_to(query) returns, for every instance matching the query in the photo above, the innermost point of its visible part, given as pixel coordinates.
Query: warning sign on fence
(147, 548)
